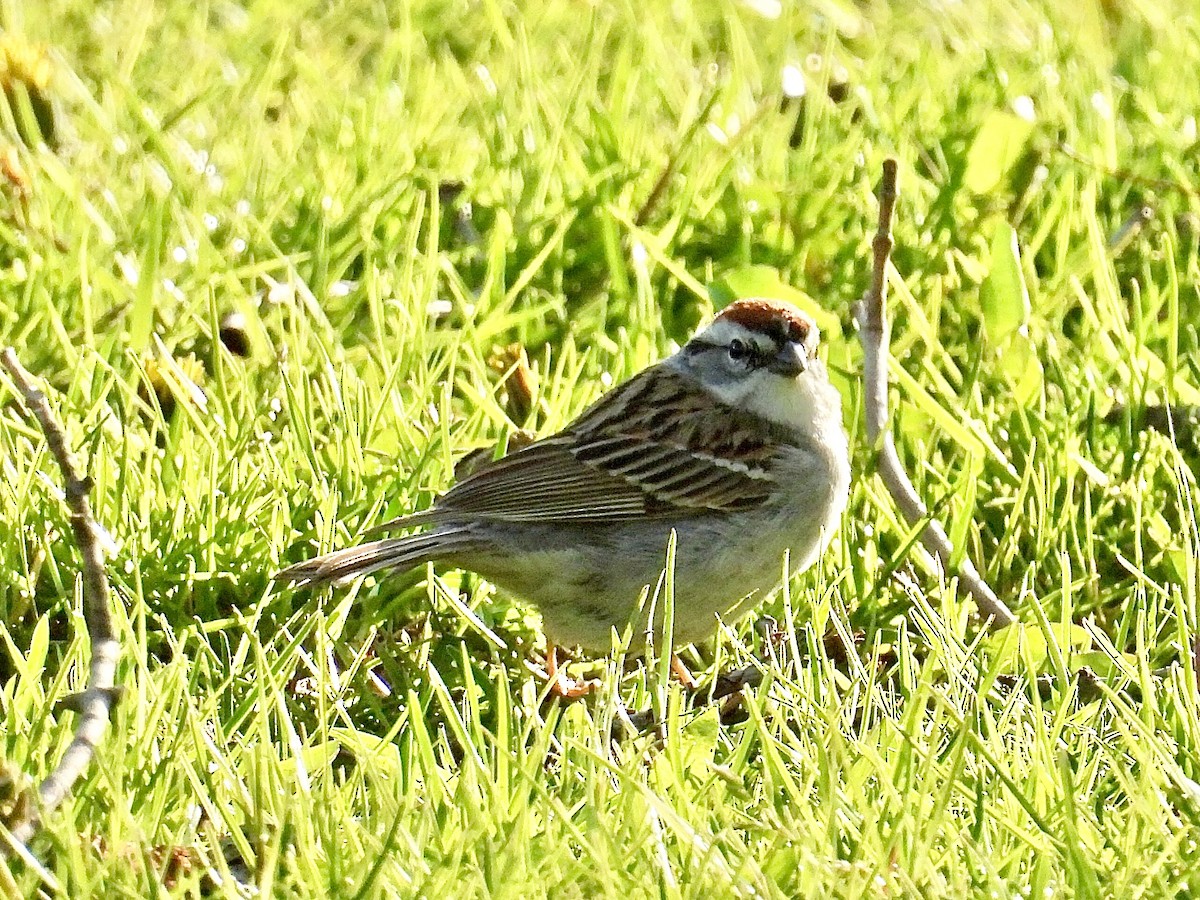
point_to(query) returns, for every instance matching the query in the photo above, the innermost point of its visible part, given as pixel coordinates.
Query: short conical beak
(790, 361)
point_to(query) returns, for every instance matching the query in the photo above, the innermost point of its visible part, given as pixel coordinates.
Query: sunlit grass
(391, 195)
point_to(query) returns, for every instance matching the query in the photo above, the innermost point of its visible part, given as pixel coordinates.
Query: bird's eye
(738, 349)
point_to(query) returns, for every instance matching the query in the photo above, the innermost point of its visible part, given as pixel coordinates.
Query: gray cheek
(727, 379)
(713, 367)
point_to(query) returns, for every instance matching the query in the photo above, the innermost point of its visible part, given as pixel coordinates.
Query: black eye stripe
(695, 347)
(754, 355)
(747, 351)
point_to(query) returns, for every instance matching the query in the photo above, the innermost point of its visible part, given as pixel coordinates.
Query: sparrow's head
(759, 355)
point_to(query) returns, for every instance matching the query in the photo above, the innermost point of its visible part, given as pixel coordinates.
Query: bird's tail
(342, 566)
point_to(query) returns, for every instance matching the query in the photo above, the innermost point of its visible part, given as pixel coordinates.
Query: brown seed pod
(165, 378)
(232, 332)
(519, 381)
(25, 76)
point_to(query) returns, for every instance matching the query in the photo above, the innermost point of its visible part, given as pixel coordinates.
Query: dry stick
(1161, 184)
(873, 332)
(94, 703)
(668, 173)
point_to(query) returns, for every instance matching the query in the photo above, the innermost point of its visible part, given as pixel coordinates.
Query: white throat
(808, 404)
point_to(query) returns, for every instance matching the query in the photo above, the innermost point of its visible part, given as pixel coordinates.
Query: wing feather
(651, 449)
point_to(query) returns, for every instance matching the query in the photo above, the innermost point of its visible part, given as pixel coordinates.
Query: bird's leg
(686, 678)
(730, 683)
(561, 684)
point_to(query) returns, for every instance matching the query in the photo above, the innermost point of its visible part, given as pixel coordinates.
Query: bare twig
(873, 332)
(668, 172)
(1121, 174)
(95, 703)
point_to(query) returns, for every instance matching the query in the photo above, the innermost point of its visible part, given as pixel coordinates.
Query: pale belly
(583, 595)
(588, 580)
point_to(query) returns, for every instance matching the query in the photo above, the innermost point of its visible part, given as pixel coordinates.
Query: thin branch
(95, 703)
(874, 334)
(668, 172)
(1159, 184)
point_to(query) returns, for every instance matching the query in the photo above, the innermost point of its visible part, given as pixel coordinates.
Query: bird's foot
(561, 684)
(686, 678)
(569, 689)
(730, 683)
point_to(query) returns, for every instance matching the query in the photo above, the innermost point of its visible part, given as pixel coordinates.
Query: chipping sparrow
(735, 442)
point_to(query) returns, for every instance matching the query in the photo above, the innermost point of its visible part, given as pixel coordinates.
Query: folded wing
(653, 450)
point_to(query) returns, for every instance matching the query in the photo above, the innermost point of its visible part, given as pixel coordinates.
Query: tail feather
(343, 566)
(424, 517)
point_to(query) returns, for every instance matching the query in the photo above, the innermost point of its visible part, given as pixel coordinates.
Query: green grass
(297, 163)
